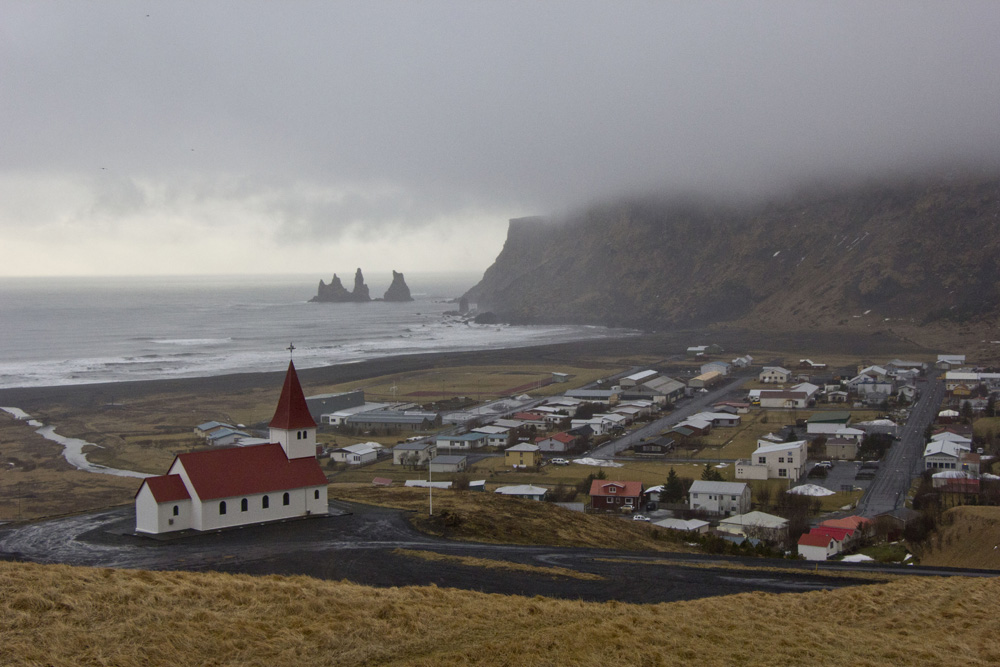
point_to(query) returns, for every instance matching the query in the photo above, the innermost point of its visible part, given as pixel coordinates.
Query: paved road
(360, 544)
(902, 462)
(688, 407)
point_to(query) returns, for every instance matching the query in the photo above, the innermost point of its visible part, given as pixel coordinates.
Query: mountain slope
(919, 252)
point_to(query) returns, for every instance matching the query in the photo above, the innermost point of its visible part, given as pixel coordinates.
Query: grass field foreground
(61, 615)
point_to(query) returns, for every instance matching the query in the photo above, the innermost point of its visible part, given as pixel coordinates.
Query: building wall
(522, 458)
(725, 503)
(615, 503)
(751, 471)
(297, 444)
(301, 502)
(550, 445)
(153, 517)
(845, 451)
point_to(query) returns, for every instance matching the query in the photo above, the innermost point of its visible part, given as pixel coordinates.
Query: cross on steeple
(290, 348)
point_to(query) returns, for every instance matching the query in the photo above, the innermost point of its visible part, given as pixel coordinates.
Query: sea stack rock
(335, 292)
(360, 292)
(398, 291)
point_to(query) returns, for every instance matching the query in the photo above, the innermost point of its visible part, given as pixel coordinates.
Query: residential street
(687, 407)
(904, 460)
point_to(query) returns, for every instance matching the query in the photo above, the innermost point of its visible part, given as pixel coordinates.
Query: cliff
(398, 291)
(919, 252)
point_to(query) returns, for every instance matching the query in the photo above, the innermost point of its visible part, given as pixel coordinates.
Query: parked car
(640, 517)
(559, 462)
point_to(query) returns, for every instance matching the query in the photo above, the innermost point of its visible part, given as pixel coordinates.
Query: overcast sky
(210, 137)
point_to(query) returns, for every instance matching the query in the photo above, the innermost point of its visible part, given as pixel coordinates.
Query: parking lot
(841, 476)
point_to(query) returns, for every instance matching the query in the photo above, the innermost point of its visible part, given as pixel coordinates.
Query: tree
(967, 412)
(673, 490)
(991, 406)
(710, 474)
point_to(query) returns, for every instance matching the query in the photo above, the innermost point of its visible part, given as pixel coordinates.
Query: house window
(612, 489)
(762, 460)
(285, 499)
(316, 494)
(222, 507)
(244, 505)
(781, 459)
(694, 495)
(782, 472)
(177, 510)
(265, 502)
(733, 497)
(790, 459)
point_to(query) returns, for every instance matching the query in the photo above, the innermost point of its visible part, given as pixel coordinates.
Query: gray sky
(243, 137)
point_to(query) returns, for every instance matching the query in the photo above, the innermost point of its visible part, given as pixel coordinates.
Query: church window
(222, 507)
(265, 502)
(177, 510)
(316, 494)
(244, 505)
(285, 499)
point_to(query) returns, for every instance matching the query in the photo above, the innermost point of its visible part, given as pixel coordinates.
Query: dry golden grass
(60, 615)
(493, 564)
(485, 517)
(478, 382)
(967, 537)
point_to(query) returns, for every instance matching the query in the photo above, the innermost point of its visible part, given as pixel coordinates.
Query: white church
(221, 488)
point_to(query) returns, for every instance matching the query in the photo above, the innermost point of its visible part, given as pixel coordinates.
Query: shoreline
(663, 345)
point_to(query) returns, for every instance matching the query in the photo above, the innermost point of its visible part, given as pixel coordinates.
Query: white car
(559, 462)
(640, 517)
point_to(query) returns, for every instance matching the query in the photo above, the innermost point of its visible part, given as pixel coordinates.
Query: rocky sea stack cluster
(335, 292)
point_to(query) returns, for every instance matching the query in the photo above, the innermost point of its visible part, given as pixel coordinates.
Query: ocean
(57, 331)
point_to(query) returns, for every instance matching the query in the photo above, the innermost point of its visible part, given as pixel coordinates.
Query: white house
(465, 441)
(523, 491)
(222, 488)
(771, 460)
(688, 525)
(413, 453)
(445, 464)
(359, 454)
(756, 524)
(719, 497)
(771, 374)
(827, 423)
(778, 399)
(817, 546)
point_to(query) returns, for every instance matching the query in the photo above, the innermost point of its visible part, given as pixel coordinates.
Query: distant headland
(335, 292)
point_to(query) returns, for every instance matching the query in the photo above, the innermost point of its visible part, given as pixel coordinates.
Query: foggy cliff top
(308, 136)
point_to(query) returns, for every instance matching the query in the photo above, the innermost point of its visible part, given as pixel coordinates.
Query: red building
(615, 496)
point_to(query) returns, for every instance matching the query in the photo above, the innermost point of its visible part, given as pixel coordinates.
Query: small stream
(72, 447)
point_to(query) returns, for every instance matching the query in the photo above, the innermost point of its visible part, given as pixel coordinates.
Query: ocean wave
(191, 341)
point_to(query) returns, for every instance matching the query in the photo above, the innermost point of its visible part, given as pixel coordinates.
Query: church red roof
(167, 488)
(292, 411)
(242, 471)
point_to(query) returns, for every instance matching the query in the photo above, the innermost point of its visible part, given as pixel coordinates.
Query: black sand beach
(663, 347)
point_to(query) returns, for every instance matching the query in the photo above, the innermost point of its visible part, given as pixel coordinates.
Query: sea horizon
(62, 330)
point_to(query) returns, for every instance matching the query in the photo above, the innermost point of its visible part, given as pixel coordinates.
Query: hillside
(915, 253)
(61, 615)
(967, 536)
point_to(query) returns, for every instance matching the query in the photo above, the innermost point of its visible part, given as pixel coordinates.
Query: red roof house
(615, 496)
(817, 546)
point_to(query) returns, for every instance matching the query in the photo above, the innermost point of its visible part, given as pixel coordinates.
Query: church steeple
(292, 426)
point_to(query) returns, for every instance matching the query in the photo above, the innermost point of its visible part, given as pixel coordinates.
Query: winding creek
(72, 447)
